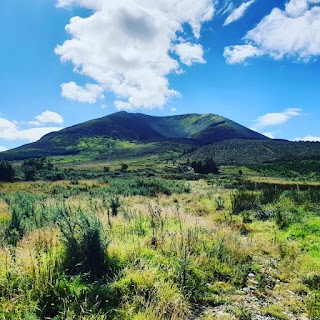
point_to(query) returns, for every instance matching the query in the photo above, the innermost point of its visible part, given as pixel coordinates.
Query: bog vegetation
(157, 244)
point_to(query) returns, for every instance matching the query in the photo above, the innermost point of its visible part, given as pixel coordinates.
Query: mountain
(125, 135)
(256, 151)
(122, 136)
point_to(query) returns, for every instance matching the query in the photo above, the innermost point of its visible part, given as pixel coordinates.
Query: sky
(64, 62)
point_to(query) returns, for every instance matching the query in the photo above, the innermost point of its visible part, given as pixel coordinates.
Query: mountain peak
(100, 134)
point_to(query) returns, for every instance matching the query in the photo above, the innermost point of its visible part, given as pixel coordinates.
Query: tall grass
(66, 258)
(85, 242)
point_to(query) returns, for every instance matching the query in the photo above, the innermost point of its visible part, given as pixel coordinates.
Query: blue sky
(67, 61)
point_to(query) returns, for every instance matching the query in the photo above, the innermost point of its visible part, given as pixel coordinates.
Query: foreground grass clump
(156, 249)
(84, 240)
(28, 212)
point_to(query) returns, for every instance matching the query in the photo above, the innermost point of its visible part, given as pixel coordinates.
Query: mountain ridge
(122, 136)
(146, 127)
(114, 131)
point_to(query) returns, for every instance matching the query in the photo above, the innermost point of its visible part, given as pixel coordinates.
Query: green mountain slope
(206, 128)
(256, 151)
(125, 134)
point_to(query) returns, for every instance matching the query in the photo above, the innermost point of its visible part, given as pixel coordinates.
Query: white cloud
(189, 53)
(309, 138)
(10, 131)
(276, 118)
(125, 46)
(225, 7)
(3, 149)
(239, 54)
(173, 110)
(47, 117)
(239, 12)
(90, 93)
(290, 33)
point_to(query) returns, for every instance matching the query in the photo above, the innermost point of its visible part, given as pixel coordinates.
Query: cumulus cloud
(276, 118)
(239, 54)
(239, 12)
(309, 138)
(90, 93)
(47, 117)
(11, 131)
(189, 53)
(290, 33)
(126, 48)
(3, 149)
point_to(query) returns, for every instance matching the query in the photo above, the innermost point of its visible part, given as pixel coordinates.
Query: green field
(158, 243)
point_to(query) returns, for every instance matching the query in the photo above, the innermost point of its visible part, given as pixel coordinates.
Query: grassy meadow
(160, 244)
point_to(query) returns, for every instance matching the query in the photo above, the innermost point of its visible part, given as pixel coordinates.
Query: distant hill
(256, 151)
(125, 134)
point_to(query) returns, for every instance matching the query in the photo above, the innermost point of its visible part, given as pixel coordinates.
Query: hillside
(137, 134)
(256, 151)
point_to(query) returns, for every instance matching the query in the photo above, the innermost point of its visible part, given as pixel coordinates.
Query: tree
(7, 172)
(208, 166)
(29, 173)
(124, 167)
(33, 167)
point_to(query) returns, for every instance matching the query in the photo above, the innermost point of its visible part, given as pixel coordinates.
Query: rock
(291, 293)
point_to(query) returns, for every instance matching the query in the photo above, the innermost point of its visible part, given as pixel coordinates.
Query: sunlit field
(138, 246)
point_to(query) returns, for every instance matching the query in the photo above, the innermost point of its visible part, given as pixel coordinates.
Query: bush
(7, 173)
(115, 204)
(207, 167)
(26, 215)
(146, 187)
(244, 200)
(124, 167)
(32, 166)
(29, 173)
(85, 242)
(286, 213)
(270, 195)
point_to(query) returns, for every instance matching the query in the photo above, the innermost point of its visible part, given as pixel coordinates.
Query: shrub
(124, 167)
(310, 196)
(146, 187)
(264, 215)
(7, 172)
(29, 173)
(314, 306)
(312, 281)
(244, 200)
(26, 215)
(220, 203)
(208, 166)
(115, 204)
(85, 242)
(270, 195)
(286, 213)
